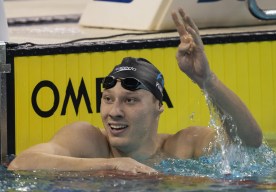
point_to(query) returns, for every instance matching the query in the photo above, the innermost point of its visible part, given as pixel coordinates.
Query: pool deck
(29, 13)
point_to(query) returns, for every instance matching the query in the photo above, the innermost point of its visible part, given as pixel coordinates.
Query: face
(130, 118)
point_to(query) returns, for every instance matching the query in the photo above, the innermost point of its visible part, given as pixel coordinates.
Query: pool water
(240, 169)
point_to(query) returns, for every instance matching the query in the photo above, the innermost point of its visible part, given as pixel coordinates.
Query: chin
(119, 143)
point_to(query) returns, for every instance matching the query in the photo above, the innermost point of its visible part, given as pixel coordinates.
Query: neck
(143, 151)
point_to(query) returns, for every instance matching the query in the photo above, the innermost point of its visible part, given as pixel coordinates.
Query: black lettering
(76, 100)
(98, 94)
(37, 88)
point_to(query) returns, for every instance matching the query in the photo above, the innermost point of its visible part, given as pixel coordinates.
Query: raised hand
(190, 56)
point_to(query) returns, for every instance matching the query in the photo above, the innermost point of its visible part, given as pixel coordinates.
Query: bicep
(29, 158)
(191, 142)
(48, 148)
(80, 140)
(205, 141)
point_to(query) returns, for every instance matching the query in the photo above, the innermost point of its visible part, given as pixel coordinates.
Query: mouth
(117, 129)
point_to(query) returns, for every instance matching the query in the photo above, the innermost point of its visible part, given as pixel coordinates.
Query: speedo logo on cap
(159, 87)
(125, 68)
(161, 80)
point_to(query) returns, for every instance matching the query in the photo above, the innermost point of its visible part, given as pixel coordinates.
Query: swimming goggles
(129, 83)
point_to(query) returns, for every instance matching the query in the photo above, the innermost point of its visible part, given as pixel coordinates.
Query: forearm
(228, 103)
(43, 161)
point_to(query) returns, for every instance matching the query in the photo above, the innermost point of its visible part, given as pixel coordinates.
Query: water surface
(248, 170)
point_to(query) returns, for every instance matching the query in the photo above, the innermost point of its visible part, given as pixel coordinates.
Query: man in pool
(131, 105)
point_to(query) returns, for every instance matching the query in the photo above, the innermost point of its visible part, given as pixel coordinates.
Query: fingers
(187, 29)
(179, 26)
(144, 169)
(196, 37)
(132, 166)
(188, 22)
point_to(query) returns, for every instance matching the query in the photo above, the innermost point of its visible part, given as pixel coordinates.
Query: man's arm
(46, 156)
(227, 102)
(76, 147)
(70, 144)
(32, 160)
(193, 62)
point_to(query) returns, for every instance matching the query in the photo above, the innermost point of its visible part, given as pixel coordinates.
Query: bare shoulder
(79, 127)
(83, 140)
(189, 142)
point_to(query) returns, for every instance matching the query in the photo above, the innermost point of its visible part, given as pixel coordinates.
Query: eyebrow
(109, 91)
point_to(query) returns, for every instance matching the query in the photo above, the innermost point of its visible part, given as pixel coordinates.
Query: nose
(116, 110)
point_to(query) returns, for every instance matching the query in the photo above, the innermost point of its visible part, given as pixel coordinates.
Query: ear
(161, 107)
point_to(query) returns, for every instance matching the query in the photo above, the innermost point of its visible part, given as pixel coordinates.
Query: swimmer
(131, 106)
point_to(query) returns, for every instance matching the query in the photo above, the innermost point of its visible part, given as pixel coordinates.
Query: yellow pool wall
(249, 69)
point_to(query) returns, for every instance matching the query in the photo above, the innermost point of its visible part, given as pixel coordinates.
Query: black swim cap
(142, 70)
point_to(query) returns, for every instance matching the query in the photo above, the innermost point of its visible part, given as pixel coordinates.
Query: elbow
(14, 166)
(255, 140)
(259, 140)
(256, 144)
(23, 162)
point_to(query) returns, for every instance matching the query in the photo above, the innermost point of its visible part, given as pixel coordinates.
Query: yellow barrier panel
(54, 90)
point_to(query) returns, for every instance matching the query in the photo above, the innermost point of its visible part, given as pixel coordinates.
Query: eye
(107, 99)
(131, 100)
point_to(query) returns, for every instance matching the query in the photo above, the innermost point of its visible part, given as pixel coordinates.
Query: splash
(216, 122)
(228, 160)
(242, 162)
